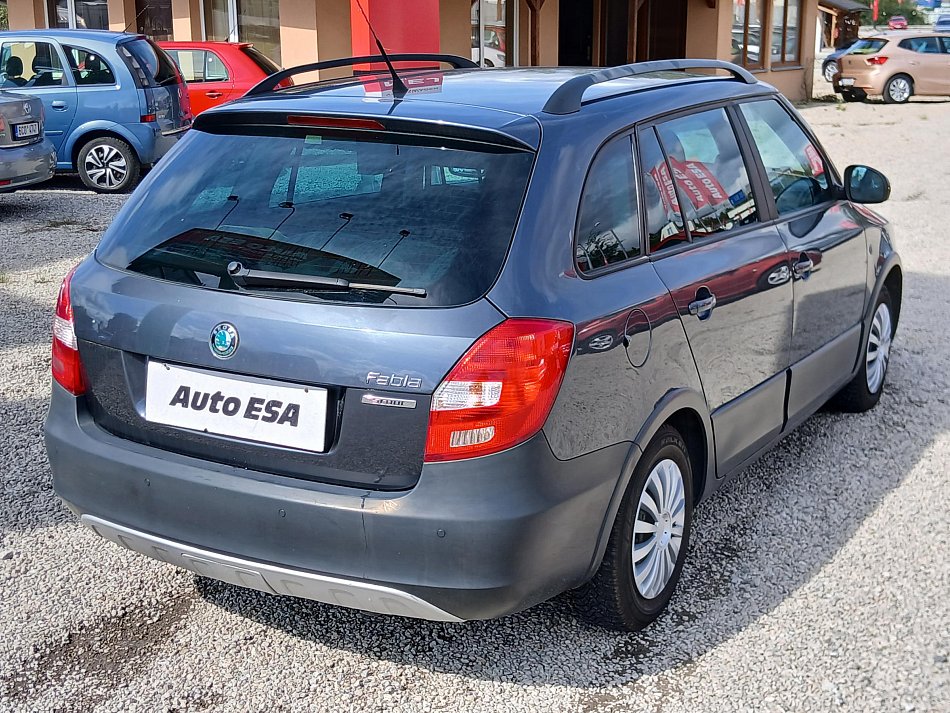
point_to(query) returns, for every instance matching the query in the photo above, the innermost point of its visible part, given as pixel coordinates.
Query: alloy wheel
(106, 166)
(831, 69)
(899, 89)
(879, 348)
(658, 530)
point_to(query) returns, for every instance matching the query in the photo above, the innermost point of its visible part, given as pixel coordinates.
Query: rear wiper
(242, 277)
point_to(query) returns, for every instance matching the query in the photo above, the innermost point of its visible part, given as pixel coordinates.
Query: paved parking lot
(819, 579)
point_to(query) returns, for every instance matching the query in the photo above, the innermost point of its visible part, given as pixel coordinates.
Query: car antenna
(399, 87)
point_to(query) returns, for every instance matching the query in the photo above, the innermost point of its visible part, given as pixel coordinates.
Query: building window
(493, 39)
(254, 21)
(748, 23)
(153, 18)
(786, 21)
(81, 14)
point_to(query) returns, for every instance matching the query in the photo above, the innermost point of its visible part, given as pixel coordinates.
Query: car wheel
(864, 390)
(108, 165)
(829, 70)
(898, 89)
(853, 95)
(648, 542)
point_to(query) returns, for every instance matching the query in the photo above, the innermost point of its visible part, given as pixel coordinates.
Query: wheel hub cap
(105, 166)
(878, 348)
(658, 529)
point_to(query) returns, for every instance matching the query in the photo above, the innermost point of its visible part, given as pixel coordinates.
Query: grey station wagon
(448, 344)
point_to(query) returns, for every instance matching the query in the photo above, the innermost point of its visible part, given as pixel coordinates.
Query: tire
(864, 391)
(614, 599)
(853, 95)
(108, 165)
(829, 70)
(899, 89)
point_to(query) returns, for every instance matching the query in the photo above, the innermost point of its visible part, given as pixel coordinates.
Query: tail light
(67, 368)
(500, 393)
(876, 60)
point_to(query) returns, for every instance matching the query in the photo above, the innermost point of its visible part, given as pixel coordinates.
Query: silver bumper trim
(270, 578)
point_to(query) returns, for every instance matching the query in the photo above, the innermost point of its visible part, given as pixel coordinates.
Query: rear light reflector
(876, 60)
(67, 368)
(335, 122)
(501, 391)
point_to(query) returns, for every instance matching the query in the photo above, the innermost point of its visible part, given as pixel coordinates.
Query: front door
(36, 67)
(728, 275)
(927, 64)
(209, 81)
(827, 253)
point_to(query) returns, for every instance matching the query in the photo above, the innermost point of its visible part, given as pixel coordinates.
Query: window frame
(629, 134)
(785, 62)
(763, 18)
(13, 39)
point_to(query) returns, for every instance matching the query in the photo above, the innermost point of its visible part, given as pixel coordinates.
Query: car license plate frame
(26, 130)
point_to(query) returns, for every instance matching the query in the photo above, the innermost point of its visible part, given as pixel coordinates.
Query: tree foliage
(4, 23)
(907, 8)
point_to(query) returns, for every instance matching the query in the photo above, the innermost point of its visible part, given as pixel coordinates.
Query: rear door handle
(803, 267)
(703, 306)
(213, 95)
(59, 105)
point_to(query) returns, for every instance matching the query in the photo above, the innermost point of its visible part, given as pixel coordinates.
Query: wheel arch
(686, 411)
(87, 133)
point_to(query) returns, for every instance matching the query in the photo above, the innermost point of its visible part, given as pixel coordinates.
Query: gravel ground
(819, 579)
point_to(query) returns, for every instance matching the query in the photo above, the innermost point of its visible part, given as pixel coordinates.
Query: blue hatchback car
(114, 101)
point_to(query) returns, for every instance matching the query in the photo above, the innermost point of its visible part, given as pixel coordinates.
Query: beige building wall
(122, 15)
(186, 20)
(549, 34)
(314, 30)
(26, 14)
(455, 27)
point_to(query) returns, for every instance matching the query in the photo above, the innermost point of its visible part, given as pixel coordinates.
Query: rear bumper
(473, 539)
(871, 81)
(25, 165)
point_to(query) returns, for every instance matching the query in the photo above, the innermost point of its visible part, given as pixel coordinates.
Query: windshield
(867, 46)
(409, 212)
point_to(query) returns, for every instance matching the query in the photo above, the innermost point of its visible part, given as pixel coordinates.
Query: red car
(897, 22)
(217, 72)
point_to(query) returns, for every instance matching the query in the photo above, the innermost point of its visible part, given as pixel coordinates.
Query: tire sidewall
(666, 445)
(887, 89)
(131, 162)
(883, 298)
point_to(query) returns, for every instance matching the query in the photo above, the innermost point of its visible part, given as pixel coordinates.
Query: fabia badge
(224, 340)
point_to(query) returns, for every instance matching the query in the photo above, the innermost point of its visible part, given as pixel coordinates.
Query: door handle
(803, 267)
(59, 105)
(213, 95)
(703, 306)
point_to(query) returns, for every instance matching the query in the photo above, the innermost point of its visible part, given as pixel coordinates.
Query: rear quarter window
(149, 64)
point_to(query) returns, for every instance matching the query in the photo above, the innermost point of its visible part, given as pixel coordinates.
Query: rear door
(210, 83)
(38, 69)
(827, 252)
(927, 64)
(727, 272)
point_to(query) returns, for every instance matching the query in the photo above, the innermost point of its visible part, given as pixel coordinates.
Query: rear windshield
(408, 212)
(266, 64)
(149, 63)
(867, 46)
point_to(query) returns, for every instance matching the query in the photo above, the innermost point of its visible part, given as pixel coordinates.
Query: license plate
(25, 131)
(260, 410)
(846, 82)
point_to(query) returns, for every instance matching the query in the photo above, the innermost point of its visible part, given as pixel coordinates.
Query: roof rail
(566, 99)
(268, 84)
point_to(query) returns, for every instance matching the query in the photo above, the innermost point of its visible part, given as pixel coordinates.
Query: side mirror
(863, 184)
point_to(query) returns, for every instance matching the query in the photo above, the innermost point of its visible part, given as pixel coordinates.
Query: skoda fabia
(448, 343)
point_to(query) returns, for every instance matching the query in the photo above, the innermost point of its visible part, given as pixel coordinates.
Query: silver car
(26, 156)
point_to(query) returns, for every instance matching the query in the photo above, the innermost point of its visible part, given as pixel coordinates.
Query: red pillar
(401, 26)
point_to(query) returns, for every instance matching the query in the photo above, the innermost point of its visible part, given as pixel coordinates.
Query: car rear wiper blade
(243, 277)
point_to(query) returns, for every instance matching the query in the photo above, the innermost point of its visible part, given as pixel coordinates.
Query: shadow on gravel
(761, 538)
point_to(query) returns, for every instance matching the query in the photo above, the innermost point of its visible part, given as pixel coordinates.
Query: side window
(30, 64)
(664, 219)
(711, 179)
(191, 64)
(215, 71)
(608, 225)
(924, 45)
(795, 168)
(945, 44)
(88, 68)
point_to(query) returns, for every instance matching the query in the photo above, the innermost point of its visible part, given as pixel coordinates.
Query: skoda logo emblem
(224, 340)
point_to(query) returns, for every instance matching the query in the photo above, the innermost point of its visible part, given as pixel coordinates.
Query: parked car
(417, 363)
(897, 22)
(942, 23)
(114, 102)
(829, 66)
(896, 66)
(26, 155)
(217, 72)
